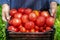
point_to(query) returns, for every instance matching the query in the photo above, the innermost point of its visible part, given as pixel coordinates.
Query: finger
(3, 16)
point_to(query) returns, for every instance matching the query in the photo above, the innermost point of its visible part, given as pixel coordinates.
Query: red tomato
(22, 29)
(45, 25)
(21, 10)
(29, 25)
(40, 21)
(13, 11)
(48, 28)
(25, 18)
(32, 16)
(36, 12)
(16, 22)
(18, 15)
(12, 28)
(41, 28)
(10, 22)
(50, 21)
(32, 30)
(20, 26)
(45, 14)
(36, 28)
(28, 11)
(27, 31)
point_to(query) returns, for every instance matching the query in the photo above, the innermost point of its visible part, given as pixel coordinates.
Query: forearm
(53, 9)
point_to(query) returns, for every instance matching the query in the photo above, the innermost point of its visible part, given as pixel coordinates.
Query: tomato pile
(28, 20)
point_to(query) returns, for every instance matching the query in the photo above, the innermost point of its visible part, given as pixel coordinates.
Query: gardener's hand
(5, 12)
(53, 9)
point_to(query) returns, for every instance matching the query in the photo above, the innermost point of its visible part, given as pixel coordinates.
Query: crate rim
(31, 32)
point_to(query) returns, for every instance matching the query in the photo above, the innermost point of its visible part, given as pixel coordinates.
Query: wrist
(5, 7)
(52, 13)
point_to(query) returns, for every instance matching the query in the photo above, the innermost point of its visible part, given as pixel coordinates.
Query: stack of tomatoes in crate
(28, 20)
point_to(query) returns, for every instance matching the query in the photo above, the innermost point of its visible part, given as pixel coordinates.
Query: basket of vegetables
(28, 24)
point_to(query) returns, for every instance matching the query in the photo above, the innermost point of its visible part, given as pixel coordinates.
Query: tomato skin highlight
(32, 17)
(40, 21)
(16, 22)
(12, 12)
(29, 25)
(50, 21)
(25, 18)
(18, 15)
(48, 28)
(22, 29)
(32, 30)
(45, 14)
(20, 26)
(12, 28)
(36, 28)
(27, 30)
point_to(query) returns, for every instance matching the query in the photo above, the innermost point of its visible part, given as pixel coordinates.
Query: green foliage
(57, 24)
(2, 27)
(57, 34)
(58, 12)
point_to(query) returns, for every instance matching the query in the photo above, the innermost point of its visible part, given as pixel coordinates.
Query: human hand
(53, 9)
(5, 12)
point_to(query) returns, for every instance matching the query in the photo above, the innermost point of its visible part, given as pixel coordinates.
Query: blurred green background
(57, 25)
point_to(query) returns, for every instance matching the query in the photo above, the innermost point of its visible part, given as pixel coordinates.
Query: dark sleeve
(4, 2)
(53, 1)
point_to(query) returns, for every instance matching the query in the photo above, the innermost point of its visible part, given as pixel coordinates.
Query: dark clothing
(34, 4)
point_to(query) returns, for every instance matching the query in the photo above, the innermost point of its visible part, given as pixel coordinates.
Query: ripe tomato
(36, 12)
(12, 28)
(32, 30)
(45, 25)
(22, 29)
(18, 15)
(28, 11)
(29, 25)
(27, 31)
(13, 11)
(25, 18)
(32, 16)
(48, 28)
(21, 10)
(36, 28)
(20, 26)
(45, 14)
(41, 28)
(50, 21)
(40, 21)
(10, 22)
(16, 22)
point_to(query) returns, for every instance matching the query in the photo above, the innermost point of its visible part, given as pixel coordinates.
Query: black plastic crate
(49, 35)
